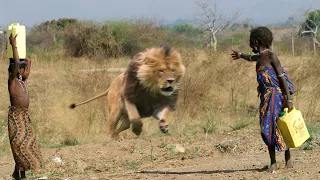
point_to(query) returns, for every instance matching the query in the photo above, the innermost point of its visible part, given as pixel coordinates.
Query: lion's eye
(161, 71)
(173, 70)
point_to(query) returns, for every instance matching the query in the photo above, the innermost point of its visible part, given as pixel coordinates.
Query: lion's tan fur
(151, 61)
(144, 90)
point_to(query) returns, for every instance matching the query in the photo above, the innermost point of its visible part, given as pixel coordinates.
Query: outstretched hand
(235, 55)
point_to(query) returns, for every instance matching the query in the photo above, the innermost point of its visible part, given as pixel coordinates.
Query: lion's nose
(170, 80)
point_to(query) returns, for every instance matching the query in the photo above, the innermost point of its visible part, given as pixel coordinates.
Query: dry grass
(217, 93)
(53, 85)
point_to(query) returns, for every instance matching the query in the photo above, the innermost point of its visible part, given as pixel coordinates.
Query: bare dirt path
(231, 155)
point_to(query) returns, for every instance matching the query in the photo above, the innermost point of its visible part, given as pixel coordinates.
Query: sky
(32, 12)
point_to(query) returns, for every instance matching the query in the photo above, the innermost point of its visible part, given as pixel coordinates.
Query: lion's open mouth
(168, 89)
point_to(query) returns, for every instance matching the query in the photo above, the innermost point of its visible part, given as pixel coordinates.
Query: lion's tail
(72, 106)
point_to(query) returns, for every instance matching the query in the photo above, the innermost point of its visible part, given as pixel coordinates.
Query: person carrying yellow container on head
(25, 149)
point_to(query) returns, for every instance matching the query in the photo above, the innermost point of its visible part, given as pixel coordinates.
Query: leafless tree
(311, 27)
(212, 20)
(300, 26)
(295, 22)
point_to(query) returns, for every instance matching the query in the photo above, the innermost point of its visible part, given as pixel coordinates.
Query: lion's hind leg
(122, 125)
(117, 122)
(113, 120)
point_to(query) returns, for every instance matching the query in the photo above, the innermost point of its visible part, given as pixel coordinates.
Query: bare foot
(23, 175)
(289, 163)
(16, 175)
(287, 157)
(272, 169)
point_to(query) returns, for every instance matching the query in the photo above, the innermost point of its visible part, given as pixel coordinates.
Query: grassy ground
(218, 96)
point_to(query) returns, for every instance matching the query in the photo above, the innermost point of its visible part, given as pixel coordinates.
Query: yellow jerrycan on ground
(16, 28)
(293, 128)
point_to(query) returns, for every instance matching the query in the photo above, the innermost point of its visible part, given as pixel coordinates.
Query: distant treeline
(126, 38)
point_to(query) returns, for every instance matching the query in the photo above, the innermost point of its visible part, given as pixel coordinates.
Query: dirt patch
(230, 155)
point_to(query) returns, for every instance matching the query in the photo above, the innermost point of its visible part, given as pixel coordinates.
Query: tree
(294, 22)
(183, 28)
(188, 29)
(213, 21)
(305, 23)
(312, 21)
(310, 27)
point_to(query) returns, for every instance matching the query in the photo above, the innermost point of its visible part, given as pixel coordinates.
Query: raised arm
(16, 60)
(282, 79)
(26, 73)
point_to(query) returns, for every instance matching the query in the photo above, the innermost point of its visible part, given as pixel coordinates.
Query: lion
(148, 88)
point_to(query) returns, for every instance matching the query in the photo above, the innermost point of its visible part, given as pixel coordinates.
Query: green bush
(110, 38)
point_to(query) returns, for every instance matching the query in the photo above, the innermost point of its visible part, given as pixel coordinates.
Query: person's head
(21, 69)
(260, 37)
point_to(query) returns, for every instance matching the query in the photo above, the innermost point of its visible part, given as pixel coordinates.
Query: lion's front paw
(137, 127)
(163, 126)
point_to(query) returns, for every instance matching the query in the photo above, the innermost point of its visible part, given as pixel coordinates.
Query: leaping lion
(149, 87)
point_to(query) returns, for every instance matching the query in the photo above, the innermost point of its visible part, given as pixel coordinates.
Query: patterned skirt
(271, 104)
(25, 149)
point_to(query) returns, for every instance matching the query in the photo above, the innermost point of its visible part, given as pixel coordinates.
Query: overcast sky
(31, 12)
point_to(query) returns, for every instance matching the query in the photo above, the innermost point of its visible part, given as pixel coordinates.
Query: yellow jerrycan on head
(293, 128)
(15, 29)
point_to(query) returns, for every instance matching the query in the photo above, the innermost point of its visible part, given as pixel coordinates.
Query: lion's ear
(142, 59)
(137, 56)
(148, 61)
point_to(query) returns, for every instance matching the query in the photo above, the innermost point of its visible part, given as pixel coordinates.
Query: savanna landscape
(214, 132)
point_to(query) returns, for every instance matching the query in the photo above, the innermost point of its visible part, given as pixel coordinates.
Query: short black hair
(263, 35)
(11, 66)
